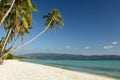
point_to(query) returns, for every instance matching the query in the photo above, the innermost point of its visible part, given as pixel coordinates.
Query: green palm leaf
(55, 17)
(24, 21)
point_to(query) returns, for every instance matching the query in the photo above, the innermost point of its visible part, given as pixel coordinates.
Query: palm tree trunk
(0, 25)
(13, 49)
(33, 38)
(3, 57)
(15, 40)
(4, 45)
(6, 40)
(7, 12)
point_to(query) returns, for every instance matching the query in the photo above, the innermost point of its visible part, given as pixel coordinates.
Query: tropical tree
(4, 6)
(18, 22)
(52, 19)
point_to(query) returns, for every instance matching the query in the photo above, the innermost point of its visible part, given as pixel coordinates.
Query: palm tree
(8, 11)
(53, 18)
(18, 21)
(3, 14)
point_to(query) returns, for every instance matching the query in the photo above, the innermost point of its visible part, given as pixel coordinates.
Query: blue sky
(91, 27)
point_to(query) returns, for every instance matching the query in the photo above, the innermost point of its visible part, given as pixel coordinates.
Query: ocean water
(104, 67)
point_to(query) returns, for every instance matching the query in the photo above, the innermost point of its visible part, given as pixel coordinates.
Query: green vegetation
(51, 56)
(16, 20)
(11, 56)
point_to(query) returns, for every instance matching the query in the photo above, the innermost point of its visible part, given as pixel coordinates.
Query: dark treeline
(70, 56)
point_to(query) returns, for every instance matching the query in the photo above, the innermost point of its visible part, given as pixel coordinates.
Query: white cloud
(87, 47)
(114, 43)
(108, 47)
(111, 46)
(67, 47)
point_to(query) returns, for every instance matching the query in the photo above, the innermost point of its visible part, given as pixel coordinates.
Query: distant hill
(52, 56)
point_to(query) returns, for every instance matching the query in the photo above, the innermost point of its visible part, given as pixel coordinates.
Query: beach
(17, 70)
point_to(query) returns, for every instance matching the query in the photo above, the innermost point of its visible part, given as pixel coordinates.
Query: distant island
(53, 56)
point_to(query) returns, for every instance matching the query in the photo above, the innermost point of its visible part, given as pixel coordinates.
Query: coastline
(17, 70)
(58, 65)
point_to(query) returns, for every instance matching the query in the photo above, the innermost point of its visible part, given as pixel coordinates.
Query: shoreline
(62, 67)
(87, 72)
(18, 70)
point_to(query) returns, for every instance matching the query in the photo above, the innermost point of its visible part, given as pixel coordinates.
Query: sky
(92, 27)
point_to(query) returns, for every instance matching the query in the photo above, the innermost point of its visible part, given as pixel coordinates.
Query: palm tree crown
(55, 18)
(17, 21)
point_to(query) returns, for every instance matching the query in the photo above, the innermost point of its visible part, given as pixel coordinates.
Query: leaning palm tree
(5, 3)
(18, 21)
(53, 18)
(16, 18)
(6, 7)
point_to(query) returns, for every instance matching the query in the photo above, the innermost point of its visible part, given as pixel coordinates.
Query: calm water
(105, 67)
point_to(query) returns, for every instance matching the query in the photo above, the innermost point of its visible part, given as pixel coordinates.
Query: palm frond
(24, 21)
(55, 17)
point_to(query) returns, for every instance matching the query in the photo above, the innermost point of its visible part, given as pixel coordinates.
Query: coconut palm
(5, 3)
(53, 18)
(18, 21)
(5, 9)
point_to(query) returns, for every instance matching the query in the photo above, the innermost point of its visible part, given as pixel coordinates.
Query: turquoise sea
(104, 67)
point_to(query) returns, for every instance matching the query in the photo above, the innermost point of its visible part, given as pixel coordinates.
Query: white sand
(16, 70)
